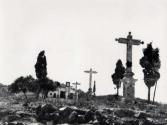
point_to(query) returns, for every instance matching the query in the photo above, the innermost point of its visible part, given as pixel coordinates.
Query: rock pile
(50, 115)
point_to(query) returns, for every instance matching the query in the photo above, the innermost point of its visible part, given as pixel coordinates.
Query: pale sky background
(78, 35)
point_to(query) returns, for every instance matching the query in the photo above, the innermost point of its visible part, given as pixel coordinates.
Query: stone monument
(128, 80)
(90, 79)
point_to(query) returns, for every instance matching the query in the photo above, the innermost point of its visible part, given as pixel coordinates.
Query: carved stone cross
(90, 78)
(129, 41)
(128, 80)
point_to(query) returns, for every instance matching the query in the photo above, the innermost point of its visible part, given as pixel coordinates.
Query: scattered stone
(11, 118)
(124, 113)
(89, 116)
(48, 108)
(73, 117)
(142, 115)
(81, 119)
(15, 123)
(23, 114)
(96, 122)
(5, 112)
(64, 114)
(101, 118)
(55, 117)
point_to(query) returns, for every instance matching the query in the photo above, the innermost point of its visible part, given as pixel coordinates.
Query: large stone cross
(128, 80)
(90, 78)
(129, 42)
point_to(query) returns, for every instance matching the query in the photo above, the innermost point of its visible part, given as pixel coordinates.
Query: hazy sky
(78, 35)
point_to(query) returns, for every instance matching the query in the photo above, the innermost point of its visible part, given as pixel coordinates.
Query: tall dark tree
(118, 75)
(94, 88)
(150, 62)
(41, 71)
(41, 66)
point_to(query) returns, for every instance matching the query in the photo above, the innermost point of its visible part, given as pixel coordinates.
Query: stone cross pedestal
(128, 80)
(90, 79)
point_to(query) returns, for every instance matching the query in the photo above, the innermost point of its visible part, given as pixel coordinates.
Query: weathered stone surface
(89, 116)
(81, 119)
(48, 108)
(11, 118)
(45, 113)
(5, 112)
(15, 123)
(23, 114)
(100, 117)
(142, 115)
(55, 117)
(124, 113)
(64, 114)
(73, 117)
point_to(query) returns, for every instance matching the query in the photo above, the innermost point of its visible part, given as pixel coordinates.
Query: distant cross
(76, 89)
(90, 77)
(129, 42)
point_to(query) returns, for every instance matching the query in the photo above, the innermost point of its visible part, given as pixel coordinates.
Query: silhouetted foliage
(40, 66)
(49, 85)
(41, 72)
(118, 75)
(94, 88)
(150, 63)
(22, 84)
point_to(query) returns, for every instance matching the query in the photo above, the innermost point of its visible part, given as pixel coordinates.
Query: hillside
(102, 110)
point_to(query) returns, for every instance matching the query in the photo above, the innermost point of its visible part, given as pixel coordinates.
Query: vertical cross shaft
(90, 77)
(76, 90)
(129, 57)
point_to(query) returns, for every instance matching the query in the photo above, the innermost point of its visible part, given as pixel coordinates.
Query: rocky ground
(100, 111)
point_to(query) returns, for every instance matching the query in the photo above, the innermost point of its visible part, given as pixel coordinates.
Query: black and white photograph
(83, 62)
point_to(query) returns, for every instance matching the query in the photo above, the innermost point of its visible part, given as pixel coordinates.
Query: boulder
(142, 115)
(11, 118)
(124, 113)
(96, 122)
(89, 116)
(81, 119)
(80, 112)
(100, 117)
(55, 117)
(44, 113)
(64, 114)
(108, 111)
(15, 123)
(23, 114)
(5, 112)
(48, 108)
(73, 117)
(130, 121)
(151, 121)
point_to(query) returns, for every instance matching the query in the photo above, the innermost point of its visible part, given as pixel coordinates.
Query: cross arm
(87, 71)
(137, 42)
(122, 40)
(94, 72)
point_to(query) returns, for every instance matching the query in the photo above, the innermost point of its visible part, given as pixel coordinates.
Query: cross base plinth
(129, 85)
